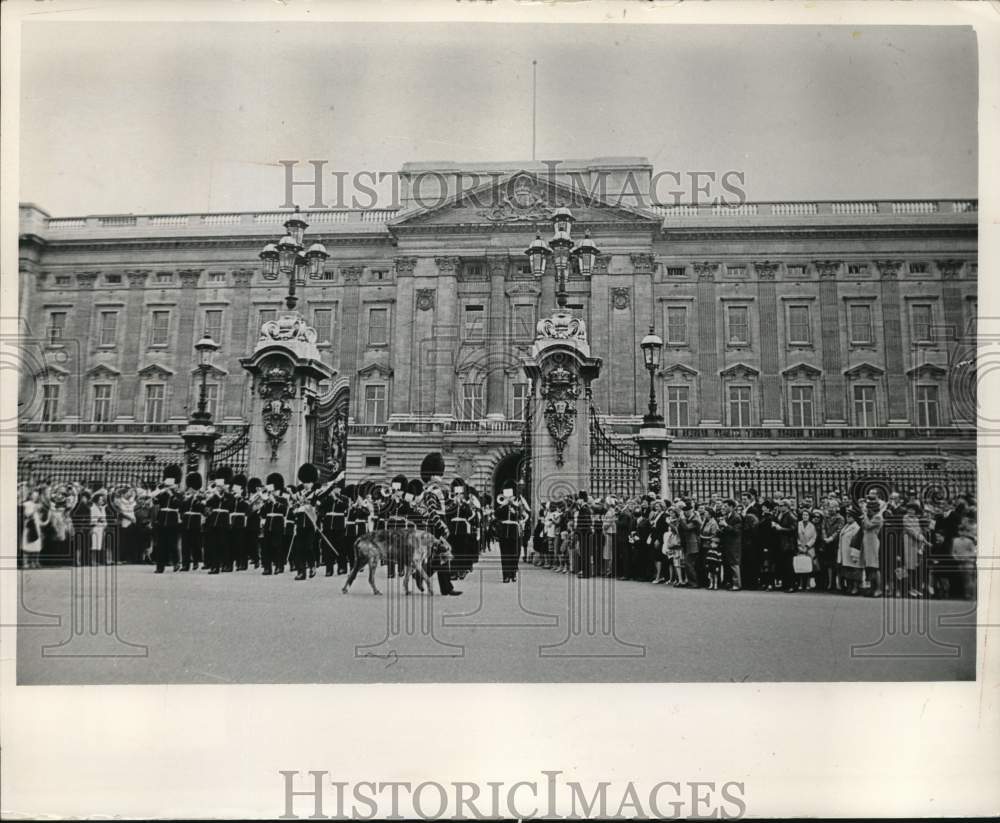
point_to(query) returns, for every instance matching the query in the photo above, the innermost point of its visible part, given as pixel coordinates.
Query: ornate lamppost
(563, 252)
(653, 439)
(200, 434)
(290, 257)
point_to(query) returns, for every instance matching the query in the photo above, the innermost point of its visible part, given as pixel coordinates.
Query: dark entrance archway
(509, 470)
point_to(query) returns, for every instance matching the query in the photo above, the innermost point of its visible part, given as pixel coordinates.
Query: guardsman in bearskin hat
(192, 508)
(507, 516)
(219, 505)
(238, 526)
(303, 551)
(255, 500)
(333, 509)
(460, 516)
(167, 499)
(357, 517)
(273, 513)
(394, 511)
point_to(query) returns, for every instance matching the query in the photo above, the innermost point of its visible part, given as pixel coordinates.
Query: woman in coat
(871, 528)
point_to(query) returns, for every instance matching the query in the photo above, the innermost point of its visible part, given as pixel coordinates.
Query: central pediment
(523, 201)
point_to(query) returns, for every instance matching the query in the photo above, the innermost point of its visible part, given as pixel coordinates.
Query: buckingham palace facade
(814, 328)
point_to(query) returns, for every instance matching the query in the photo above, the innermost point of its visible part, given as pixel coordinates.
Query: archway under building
(509, 470)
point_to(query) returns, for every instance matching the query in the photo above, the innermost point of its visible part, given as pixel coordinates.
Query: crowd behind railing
(877, 543)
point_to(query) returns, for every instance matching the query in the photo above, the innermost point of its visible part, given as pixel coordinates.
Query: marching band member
(255, 500)
(393, 513)
(167, 499)
(334, 508)
(460, 515)
(289, 493)
(303, 553)
(220, 504)
(508, 515)
(273, 514)
(236, 545)
(358, 512)
(192, 507)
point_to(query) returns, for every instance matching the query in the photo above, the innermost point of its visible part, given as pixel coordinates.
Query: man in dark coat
(192, 507)
(168, 520)
(750, 511)
(731, 542)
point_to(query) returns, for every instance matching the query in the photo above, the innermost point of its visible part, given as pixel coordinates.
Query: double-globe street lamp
(200, 434)
(206, 347)
(562, 251)
(290, 257)
(651, 346)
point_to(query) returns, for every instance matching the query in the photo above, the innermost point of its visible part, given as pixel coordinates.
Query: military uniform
(507, 515)
(192, 508)
(304, 539)
(272, 526)
(167, 501)
(334, 518)
(220, 505)
(236, 545)
(460, 515)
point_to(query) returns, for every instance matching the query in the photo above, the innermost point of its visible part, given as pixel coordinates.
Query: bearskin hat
(351, 491)
(399, 481)
(193, 481)
(364, 489)
(414, 487)
(254, 484)
(277, 480)
(172, 472)
(308, 473)
(239, 480)
(458, 483)
(432, 466)
(225, 474)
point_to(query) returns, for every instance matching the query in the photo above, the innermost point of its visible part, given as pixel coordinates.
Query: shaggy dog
(414, 550)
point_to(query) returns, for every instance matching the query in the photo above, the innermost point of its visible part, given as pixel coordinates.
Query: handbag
(802, 564)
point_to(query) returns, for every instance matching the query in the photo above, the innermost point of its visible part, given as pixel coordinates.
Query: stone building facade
(800, 327)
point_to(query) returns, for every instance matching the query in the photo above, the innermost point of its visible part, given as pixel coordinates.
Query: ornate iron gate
(524, 470)
(233, 452)
(615, 468)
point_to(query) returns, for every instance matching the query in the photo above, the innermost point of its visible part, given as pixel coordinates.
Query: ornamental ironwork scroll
(277, 387)
(330, 433)
(560, 390)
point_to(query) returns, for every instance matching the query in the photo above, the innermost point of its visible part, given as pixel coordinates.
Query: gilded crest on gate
(560, 390)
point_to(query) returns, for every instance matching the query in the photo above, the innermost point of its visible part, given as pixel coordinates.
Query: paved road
(245, 628)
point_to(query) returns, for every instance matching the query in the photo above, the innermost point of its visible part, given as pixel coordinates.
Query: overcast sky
(176, 117)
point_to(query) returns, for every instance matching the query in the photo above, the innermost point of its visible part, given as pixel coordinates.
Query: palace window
(736, 271)
(373, 461)
(62, 279)
(798, 326)
(323, 323)
(378, 327)
(50, 402)
(164, 277)
(677, 330)
(918, 268)
(523, 321)
(857, 269)
(920, 322)
(113, 279)
(677, 406)
(213, 324)
(100, 411)
(159, 328)
(266, 316)
(676, 271)
(211, 398)
(473, 401)
(739, 326)
(796, 271)
(108, 333)
(739, 406)
(217, 278)
(864, 407)
(57, 326)
(474, 322)
(861, 330)
(380, 274)
(927, 406)
(374, 411)
(801, 401)
(520, 396)
(154, 403)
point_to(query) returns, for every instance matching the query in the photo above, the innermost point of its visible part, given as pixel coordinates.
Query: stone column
(644, 311)
(352, 333)
(238, 347)
(709, 343)
(134, 310)
(187, 336)
(407, 361)
(892, 325)
(770, 378)
(444, 332)
(830, 342)
(497, 338)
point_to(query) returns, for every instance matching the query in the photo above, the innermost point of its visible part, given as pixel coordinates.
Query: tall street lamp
(206, 348)
(290, 257)
(651, 346)
(563, 252)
